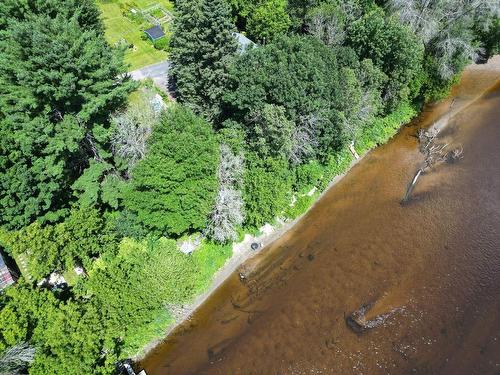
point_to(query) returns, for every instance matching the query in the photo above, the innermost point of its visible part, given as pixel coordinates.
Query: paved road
(157, 72)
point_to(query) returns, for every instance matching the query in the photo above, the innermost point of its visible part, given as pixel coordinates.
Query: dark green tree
(202, 46)
(19, 10)
(59, 82)
(393, 48)
(302, 76)
(173, 188)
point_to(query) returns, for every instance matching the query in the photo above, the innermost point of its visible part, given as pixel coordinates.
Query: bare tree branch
(132, 130)
(434, 154)
(16, 359)
(228, 211)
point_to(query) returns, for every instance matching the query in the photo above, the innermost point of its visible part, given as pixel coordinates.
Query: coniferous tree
(202, 45)
(59, 82)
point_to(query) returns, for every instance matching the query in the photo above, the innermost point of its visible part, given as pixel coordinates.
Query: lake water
(430, 268)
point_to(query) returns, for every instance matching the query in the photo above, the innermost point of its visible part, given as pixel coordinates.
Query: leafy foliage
(63, 246)
(268, 19)
(268, 188)
(76, 184)
(174, 186)
(393, 48)
(300, 75)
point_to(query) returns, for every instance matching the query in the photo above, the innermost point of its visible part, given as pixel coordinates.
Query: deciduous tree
(174, 186)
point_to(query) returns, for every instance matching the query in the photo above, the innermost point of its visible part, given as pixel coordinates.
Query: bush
(382, 129)
(307, 176)
(301, 205)
(162, 44)
(268, 188)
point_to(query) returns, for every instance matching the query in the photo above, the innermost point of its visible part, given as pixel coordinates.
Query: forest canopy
(103, 185)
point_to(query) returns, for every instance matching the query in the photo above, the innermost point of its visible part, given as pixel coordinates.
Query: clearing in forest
(125, 22)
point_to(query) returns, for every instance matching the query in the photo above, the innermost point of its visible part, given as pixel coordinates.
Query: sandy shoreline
(242, 251)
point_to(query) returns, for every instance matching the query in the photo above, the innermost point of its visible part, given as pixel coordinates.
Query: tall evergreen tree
(59, 80)
(202, 45)
(17, 10)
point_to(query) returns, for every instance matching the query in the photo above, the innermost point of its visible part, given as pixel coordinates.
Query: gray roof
(155, 32)
(2, 262)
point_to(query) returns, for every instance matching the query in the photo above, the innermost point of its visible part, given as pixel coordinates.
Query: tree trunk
(412, 185)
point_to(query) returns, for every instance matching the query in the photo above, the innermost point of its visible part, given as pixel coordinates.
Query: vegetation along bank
(102, 185)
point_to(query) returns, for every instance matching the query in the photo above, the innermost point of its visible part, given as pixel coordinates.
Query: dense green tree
(60, 247)
(69, 337)
(59, 81)
(267, 20)
(268, 189)
(202, 46)
(174, 186)
(271, 133)
(298, 9)
(262, 20)
(393, 48)
(87, 13)
(100, 185)
(301, 75)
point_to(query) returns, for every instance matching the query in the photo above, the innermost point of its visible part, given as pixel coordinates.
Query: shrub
(268, 187)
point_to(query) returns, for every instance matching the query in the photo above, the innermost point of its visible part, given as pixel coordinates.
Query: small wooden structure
(155, 33)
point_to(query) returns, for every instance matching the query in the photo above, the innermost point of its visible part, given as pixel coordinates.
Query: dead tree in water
(434, 153)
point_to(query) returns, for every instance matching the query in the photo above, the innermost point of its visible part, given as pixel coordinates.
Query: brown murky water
(433, 266)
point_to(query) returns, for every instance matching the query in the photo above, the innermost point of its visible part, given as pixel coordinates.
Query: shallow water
(430, 269)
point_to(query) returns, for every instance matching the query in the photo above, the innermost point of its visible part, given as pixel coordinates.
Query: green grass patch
(124, 27)
(209, 258)
(137, 339)
(301, 205)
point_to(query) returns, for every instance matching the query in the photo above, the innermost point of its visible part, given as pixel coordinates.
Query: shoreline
(242, 251)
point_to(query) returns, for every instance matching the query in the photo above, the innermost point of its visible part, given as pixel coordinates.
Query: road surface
(157, 72)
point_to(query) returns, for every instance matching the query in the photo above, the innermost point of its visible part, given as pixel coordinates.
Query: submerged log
(434, 154)
(412, 184)
(358, 323)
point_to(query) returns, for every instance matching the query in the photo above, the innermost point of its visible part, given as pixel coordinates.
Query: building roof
(243, 42)
(5, 274)
(155, 32)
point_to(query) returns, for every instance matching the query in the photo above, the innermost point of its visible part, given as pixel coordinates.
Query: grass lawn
(119, 27)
